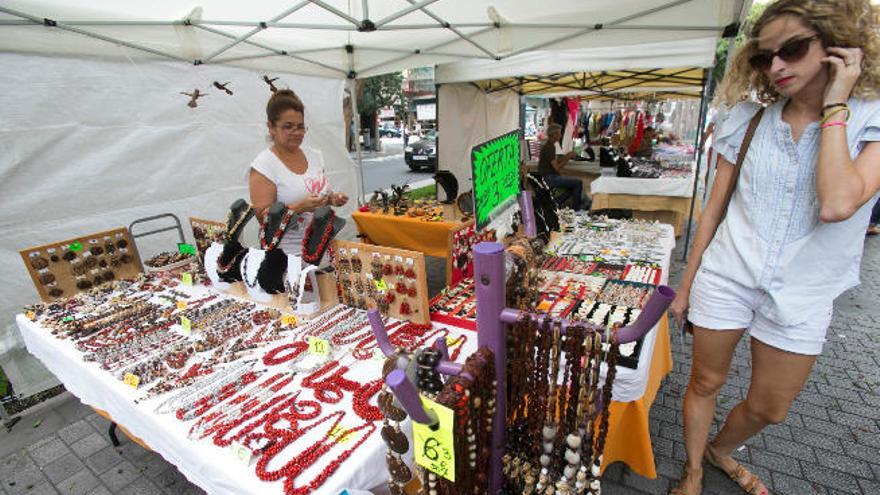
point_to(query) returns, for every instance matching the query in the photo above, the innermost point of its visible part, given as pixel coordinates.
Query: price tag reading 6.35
(434, 446)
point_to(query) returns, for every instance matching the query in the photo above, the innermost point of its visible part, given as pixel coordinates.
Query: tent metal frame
(351, 24)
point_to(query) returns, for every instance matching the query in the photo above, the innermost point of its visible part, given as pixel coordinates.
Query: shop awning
(618, 84)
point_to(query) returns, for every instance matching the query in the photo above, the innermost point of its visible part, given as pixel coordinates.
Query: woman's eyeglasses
(791, 51)
(294, 128)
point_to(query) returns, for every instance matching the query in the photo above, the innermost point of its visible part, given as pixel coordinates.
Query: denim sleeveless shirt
(772, 238)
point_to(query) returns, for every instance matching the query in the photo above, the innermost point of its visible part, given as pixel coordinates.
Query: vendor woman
(289, 172)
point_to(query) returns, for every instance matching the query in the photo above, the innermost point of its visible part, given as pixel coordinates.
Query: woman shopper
(773, 259)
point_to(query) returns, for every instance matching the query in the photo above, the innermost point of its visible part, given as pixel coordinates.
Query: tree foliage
(721, 48)
(379, 92)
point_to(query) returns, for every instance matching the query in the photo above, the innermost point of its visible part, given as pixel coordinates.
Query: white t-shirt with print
(291, 187)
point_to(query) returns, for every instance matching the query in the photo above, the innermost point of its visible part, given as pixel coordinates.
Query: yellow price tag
(241, 453)
(186, 278)
(181, 305)
(319, 346)
(186, 325)
(30, 315)
(380, 285)
(131, 380)
(453, 341)
(434, 449)
(340, 434)
(289, 320)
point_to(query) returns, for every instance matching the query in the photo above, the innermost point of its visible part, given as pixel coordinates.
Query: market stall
(253, 378)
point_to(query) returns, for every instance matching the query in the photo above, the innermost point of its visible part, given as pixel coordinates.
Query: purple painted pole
(489, 282)
(447, 367)
(440, 345)
(530, 227)
(408, 397)
(380, 333)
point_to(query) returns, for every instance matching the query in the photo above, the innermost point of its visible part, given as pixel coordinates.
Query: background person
(550, 165)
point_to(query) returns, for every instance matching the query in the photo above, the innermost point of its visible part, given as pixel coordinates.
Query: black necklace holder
(320, 223)
(229, 263)
(447, 181)
(270, 275)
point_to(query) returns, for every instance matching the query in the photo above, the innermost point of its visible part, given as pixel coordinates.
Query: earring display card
(392, 280)
(456, 305)
(65, 268)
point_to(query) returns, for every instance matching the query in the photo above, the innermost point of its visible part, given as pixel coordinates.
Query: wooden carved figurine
(195, 95)
(271, 82)
(223, 87)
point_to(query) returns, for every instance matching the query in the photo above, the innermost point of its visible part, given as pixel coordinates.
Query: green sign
(496, 176)
(186, 248)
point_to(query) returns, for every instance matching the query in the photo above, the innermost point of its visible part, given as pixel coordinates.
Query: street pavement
(386, 167)
(829, 444)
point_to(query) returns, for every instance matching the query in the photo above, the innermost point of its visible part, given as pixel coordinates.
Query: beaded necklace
(315, 257)
(279, 232)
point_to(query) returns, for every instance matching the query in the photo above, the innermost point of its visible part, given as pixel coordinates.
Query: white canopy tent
(342, 38)
(88, 123)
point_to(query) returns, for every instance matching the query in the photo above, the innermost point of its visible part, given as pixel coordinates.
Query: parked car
(389, 132)
(422, 154)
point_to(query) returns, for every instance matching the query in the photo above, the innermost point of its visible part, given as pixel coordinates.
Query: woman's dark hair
(282, 101)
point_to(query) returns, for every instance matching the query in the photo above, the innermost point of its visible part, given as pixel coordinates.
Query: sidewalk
(828, 445)
(390, 147)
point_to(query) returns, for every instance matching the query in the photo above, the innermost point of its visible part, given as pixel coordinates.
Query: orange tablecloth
(405, 232)
(629, 435)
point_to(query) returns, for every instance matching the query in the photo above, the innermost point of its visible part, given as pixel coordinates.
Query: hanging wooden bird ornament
(195, 95)
(223, 87)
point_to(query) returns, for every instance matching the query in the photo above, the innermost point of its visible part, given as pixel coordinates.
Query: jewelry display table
(629, 435)
(413, 233)
(673, 210)
(215, 469)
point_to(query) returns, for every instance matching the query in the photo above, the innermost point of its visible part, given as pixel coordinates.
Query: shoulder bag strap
(743, 150)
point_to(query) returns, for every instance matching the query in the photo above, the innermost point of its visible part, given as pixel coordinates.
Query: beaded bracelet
(826, 117)
(833, 105)
(833, 124)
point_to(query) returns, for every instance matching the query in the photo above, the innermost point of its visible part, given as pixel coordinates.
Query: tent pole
(707, 82)
(62, 26)
(254, 31)
(397, 15)
(442, 23)
(594, 28)
(356, 117)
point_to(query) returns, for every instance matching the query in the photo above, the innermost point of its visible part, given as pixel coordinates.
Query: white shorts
(718, 303)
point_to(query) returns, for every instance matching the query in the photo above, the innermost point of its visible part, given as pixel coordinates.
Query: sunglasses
(791, 51)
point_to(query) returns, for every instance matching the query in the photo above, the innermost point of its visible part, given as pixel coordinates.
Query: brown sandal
(746, 480)
(677, 490)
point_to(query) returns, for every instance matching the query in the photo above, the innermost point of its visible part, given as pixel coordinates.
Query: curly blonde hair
(849, 23)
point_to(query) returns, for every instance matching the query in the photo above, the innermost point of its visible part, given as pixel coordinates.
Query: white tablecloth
(212, 468)
(643, 187)
(629, 384)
